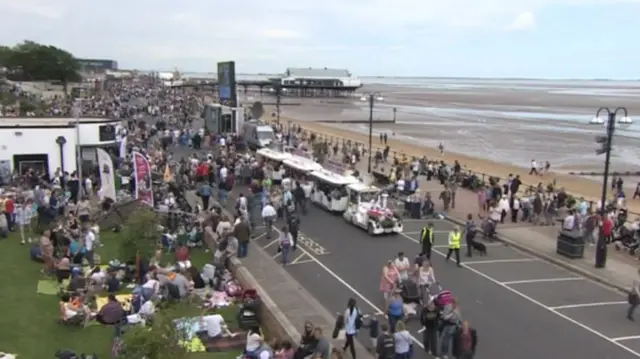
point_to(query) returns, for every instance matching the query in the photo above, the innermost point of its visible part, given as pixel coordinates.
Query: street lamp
(606, 142)
(372, 98)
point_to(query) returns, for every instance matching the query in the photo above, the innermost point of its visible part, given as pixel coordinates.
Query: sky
(451, 38)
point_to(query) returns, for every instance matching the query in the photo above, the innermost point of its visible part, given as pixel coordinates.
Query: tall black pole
(601, 245)
(371, 98)
(394, 114)
(278, 94)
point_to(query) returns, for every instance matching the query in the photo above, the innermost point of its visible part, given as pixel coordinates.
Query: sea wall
(270, 315)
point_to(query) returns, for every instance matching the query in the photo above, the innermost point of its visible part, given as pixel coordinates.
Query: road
(521, 306)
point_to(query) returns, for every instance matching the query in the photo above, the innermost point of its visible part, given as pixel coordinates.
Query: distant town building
(97, 65)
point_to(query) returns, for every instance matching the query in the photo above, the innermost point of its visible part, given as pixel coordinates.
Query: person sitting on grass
(73, 312)
(284, 350)
(112, 312)
(78, 282)
(214, 324)
(63, 269)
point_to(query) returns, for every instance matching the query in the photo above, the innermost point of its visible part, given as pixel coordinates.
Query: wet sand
(480, 129)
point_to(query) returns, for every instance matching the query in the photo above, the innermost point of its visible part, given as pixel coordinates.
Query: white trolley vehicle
(273, 155)
(301, 165)
(330, 190)
(368, 210)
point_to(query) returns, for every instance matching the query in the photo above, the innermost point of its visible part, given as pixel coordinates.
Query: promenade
(567, 311)
(577, 186)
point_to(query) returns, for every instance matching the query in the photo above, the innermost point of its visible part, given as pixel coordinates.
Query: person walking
(286, 241)
(430, 320)
(451, 320)
(634, 297)
(269, 215)
(426, 240)
(465, 341)
(470, 230)
(386, 344)
(454, 244)
(403, 341)
(352, 323)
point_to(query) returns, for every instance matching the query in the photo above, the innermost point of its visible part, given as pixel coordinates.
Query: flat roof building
(48, 143)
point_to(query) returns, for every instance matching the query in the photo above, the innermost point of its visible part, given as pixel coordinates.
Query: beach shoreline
(580, 187)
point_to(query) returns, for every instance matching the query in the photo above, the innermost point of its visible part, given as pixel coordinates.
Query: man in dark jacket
(464, 342)
(294, 227)
(430, 318)
(243, 234)
(386, 345)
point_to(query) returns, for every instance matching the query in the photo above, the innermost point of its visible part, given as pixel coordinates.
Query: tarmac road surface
(521, 306)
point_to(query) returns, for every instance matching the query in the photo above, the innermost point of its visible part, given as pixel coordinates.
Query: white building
(47, 144)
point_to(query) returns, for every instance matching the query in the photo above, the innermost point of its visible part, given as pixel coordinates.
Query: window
(106, 133)
(265, 135)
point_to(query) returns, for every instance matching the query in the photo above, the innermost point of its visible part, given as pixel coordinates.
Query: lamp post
(372, 98)
(606, 142)
(76, 111)
(60, 140)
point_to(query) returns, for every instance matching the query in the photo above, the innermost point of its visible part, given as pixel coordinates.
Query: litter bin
(570, 244)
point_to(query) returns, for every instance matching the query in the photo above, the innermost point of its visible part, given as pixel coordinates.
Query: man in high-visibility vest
(426, 240)
(454, 244)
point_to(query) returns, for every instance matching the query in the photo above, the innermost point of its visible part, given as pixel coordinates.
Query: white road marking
(619, 339)
(547, 280)
(587, 305)
(260, 236)
(303, 261)
(378, 311)
(418, 232)
(277, 255)
(446, 246)
(515, 260)
(271, 243)
(421, 330)
(298, 258)
(541, 305)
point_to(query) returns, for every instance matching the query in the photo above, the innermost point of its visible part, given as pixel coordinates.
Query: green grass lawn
(30, 327)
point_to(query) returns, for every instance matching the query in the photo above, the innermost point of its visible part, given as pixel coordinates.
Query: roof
(302, 164)
(311, 72)
(274, 155)
(51, 121)
(361, 187)
(333, 178)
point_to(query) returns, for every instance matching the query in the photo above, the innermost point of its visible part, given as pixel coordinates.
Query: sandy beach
(492, 128)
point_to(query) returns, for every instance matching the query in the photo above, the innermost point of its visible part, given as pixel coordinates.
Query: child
(95, 228)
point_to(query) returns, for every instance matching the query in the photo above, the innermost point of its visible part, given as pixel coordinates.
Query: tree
(139, 235)
(162, 339)
(30, 61)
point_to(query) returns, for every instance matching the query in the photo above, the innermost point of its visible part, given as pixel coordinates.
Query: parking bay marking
(614, 341)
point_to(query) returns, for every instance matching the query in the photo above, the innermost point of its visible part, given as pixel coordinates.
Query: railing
(484, 177)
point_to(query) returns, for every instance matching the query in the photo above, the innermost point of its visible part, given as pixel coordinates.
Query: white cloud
(161, 33)
(522, 21)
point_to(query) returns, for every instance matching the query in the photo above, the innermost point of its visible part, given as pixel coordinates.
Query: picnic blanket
(124, 299)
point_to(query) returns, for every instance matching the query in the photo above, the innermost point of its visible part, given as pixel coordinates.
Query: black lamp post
(372, 99)
(60, 140)
(606, 141)
(278, 90)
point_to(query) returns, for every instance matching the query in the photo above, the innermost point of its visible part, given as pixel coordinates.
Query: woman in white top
(402, 265)
(426, 277)
(403, 341)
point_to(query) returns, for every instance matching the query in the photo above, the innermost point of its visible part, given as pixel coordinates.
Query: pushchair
(439, 296)
(489, 228)
(411, 298)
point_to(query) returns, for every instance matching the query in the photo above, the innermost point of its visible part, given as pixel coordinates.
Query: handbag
(633, 298)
